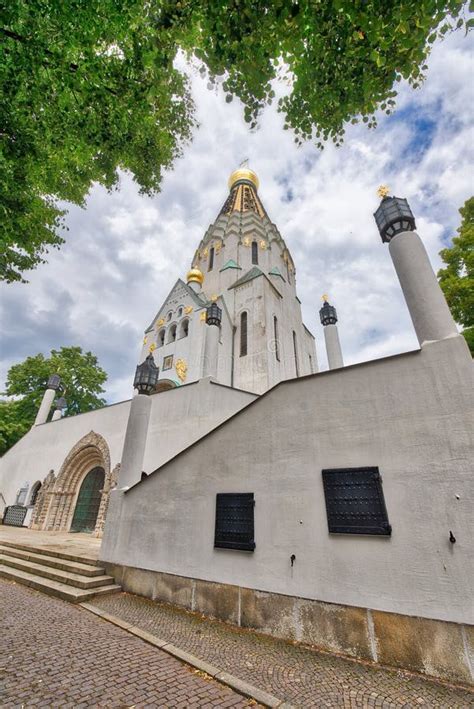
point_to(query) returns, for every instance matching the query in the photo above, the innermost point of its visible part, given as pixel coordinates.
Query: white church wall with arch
(60, 454)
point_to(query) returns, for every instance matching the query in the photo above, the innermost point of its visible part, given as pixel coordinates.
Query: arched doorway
(88, 501)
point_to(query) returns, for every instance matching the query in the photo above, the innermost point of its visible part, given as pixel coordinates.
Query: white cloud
(125, 251)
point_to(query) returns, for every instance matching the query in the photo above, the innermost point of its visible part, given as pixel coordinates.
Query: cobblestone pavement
(54, 654)
(296, 674)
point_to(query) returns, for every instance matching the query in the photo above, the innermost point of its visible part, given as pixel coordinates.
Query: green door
(88, 501)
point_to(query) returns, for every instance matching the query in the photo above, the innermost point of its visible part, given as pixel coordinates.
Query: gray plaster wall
(178, 418)
(410, 415)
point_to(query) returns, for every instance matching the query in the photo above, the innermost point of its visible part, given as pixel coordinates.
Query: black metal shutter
(354, 501)
(235, 521)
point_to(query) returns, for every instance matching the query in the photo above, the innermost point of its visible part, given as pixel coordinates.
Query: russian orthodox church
(244, 266)
(330, 507)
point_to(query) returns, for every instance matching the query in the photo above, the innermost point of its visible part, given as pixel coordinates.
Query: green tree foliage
(82, 379)
(457, 279)
(92, 87)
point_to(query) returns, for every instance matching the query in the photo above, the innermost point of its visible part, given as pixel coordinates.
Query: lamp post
(60, 404)
(211, 345)
(328, 317)
(145, 381)
(52, 386)
(428, 309)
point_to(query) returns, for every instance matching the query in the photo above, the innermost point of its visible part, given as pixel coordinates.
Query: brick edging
(238, 685)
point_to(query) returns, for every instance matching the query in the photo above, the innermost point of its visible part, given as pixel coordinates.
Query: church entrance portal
(88, 501)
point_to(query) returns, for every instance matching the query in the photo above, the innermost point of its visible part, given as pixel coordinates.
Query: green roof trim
(275, 271)
(230, 264)
(249, 276)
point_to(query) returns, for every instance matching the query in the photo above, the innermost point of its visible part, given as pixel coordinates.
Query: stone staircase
(68, 576)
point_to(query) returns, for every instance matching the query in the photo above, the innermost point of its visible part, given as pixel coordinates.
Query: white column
(44, 409)
(211, 351)
(333, 347)
(135, 441)
(195, 286)
(56, 415)
(426, 303)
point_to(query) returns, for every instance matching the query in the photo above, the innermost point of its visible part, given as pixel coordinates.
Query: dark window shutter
(235, 521)
(354, 501)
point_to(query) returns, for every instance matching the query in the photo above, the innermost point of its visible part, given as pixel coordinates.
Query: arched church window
(180, 312)
(276, 338)
(161, 337)
(211, 259)
(172, 333)
(243, 334)
(168, 317)
(254, 252)
(184, 328)
(34, 493)
(295, 352)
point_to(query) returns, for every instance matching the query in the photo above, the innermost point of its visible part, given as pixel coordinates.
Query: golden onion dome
(243, 173)
(195, 276)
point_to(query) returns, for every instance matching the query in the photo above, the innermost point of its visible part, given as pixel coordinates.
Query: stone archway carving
(89, 452)
(43, 500)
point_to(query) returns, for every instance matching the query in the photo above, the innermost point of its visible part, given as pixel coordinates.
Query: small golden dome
(243, 173)
(195, 276)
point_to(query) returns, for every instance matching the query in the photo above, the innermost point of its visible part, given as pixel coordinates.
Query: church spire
(243, 197)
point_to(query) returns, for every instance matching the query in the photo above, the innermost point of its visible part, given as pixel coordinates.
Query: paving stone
(296, 674)
(55, 654)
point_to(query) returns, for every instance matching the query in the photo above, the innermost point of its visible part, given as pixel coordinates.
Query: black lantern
(214, 315)
(394, 216)
(146, 376)
(54, 382)
(60, 404)
(328, 314)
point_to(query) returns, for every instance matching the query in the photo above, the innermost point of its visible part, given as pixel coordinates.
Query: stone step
(48, 572)
(55, 588)
(48, 551)
(33, 554)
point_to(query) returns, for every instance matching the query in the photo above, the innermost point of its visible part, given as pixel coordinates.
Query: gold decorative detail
(218, 247)
(160, 322)
(203, 316)
(243, 173)
(383, 191)
(188, 309)
(214, 297)
(205, 253)
(263, 244)
(152, 347)
(246, 241)
(195, 276)
(145, 339)
(181, 369)
(325, 297)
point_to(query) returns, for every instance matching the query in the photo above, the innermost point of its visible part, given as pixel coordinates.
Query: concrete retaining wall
(438, 648)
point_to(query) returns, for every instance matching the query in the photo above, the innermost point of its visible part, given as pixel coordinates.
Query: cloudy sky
(124, 252)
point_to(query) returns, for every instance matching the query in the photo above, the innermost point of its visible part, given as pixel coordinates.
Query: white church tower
(243, 267)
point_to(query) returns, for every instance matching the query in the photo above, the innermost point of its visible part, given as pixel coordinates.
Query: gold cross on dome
(325, 297)
(383, 191)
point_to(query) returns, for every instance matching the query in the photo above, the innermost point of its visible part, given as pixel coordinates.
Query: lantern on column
(54, 382)
(328, 314)
(146, 376)
(393, 217)
(214, 315)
